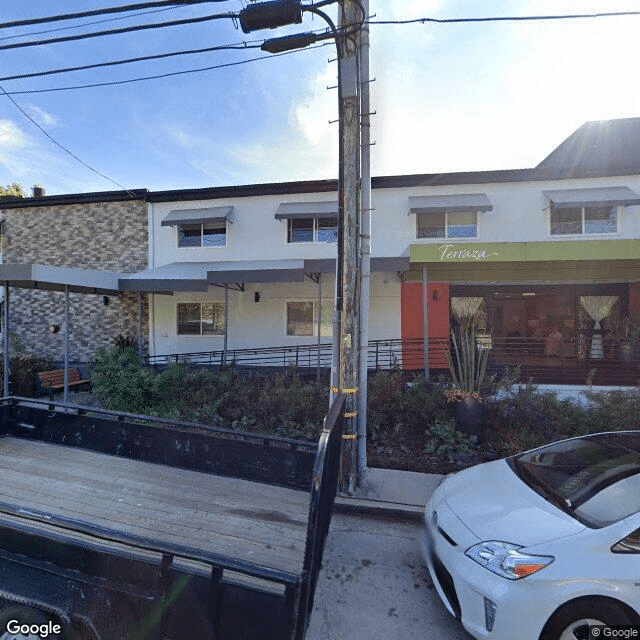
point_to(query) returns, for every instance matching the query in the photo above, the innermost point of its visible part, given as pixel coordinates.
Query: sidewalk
(388, 492)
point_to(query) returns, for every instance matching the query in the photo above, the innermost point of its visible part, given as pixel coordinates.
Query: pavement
(374, 584)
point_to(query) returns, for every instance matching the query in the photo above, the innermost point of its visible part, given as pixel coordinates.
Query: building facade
(548, 258)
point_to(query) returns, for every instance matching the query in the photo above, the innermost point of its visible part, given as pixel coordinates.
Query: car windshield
(595, 478)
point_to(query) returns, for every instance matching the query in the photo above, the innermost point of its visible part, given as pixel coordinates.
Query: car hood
(492, 501)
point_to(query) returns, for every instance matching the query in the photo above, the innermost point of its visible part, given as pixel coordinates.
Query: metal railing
(545, 360)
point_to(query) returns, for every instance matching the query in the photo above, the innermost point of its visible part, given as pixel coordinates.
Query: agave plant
(467, 360)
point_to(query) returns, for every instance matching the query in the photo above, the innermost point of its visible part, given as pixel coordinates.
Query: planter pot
(470, 417)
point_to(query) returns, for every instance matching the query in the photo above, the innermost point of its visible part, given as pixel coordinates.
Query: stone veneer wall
(103, 236)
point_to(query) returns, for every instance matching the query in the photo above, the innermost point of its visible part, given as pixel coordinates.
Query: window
(462, 224)
(202, 234)
(583, 221)
(200, 319)
(302, 319)
(312, 230)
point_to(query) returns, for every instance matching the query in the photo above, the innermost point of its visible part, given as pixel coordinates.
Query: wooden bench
(51, 381)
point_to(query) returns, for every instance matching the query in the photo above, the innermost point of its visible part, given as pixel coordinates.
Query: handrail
(324, 485)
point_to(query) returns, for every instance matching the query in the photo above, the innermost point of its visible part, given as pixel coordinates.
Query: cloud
(43, 118)
(11, 137)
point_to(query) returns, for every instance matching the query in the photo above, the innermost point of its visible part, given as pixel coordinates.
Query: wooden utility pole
(348, 268)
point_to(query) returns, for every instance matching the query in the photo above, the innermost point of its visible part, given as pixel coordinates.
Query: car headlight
(506, 560)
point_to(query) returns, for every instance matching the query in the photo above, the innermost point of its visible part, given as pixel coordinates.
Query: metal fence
(562, 361)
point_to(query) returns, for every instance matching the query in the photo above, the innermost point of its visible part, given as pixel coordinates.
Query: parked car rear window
(595, 478)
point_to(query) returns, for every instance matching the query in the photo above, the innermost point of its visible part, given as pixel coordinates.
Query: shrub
(122, 383)
(22, 370)
(445, 440)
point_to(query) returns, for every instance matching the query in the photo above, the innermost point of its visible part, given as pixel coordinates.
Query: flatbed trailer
(119, 527)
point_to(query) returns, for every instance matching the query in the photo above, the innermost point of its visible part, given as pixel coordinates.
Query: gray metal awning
(194, 216)
(602, 196)
(197, 276)
(50, 278)
(450, 203)
(301, 210)
(391, 264)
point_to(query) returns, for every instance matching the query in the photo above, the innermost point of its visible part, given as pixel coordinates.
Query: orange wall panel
(412, 326)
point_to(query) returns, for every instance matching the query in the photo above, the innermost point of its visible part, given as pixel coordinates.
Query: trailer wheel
(13, 619)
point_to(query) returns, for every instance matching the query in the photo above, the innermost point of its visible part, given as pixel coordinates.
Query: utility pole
(346, 346)
(349, 237)
(365, 241)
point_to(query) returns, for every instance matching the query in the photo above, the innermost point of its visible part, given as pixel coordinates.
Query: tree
(13, 190)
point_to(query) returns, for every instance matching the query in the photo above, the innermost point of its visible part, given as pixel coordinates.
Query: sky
(447, 97)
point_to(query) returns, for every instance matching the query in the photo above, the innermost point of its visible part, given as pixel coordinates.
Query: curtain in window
(598, 308)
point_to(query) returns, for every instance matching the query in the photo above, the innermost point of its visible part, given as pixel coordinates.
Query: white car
(542, 545)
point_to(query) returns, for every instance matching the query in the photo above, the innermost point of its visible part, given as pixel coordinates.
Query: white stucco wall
(263, 324)
(520, 214)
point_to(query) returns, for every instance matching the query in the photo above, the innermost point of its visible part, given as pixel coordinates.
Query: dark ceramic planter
(469, 415)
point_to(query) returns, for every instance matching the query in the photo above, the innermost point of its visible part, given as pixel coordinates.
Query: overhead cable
(163, 75)
(570, 16)
(113, 63)
(86, 24)
(106, 10)
(110, 32)
(73, 155)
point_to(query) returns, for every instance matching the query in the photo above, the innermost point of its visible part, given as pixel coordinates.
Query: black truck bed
(251, 521)
(123, 526)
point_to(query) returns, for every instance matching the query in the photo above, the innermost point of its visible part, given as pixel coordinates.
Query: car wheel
(24, 616)
(572, 620)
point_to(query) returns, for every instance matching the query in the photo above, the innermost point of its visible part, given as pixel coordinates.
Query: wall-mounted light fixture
(54, 328)
(105, 300)
(436, 294)
(256, 296)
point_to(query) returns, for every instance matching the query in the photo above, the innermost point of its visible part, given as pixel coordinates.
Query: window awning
(450, 203)
(50, 278)
(604, 197)
(301, 210)
(194, 216)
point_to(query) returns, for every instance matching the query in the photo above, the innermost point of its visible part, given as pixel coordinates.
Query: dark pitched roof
(609, 146)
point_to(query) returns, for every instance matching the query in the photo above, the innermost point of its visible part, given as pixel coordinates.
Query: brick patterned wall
(105, 236)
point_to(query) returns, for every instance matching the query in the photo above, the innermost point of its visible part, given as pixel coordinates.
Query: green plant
(467, 361)
(446, 440)
(625, 329)
(124, 342)
(22, 369)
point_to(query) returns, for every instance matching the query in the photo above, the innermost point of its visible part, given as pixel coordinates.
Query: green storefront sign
(475, 252)
(550, 261)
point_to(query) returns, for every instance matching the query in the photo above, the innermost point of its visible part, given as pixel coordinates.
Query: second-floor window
(459, 224)
(583, 220)
(312, 230)
(202, 234)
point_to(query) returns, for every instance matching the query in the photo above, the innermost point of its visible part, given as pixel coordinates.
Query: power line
(139, 27)
(86, 24)
(112, 63)
(99, 12)
(73, 155)
(163, 75)
(571, 16)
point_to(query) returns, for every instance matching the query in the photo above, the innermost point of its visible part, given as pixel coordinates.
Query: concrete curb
(379, 508)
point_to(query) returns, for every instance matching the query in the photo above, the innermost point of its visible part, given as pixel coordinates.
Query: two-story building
(548, 256)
